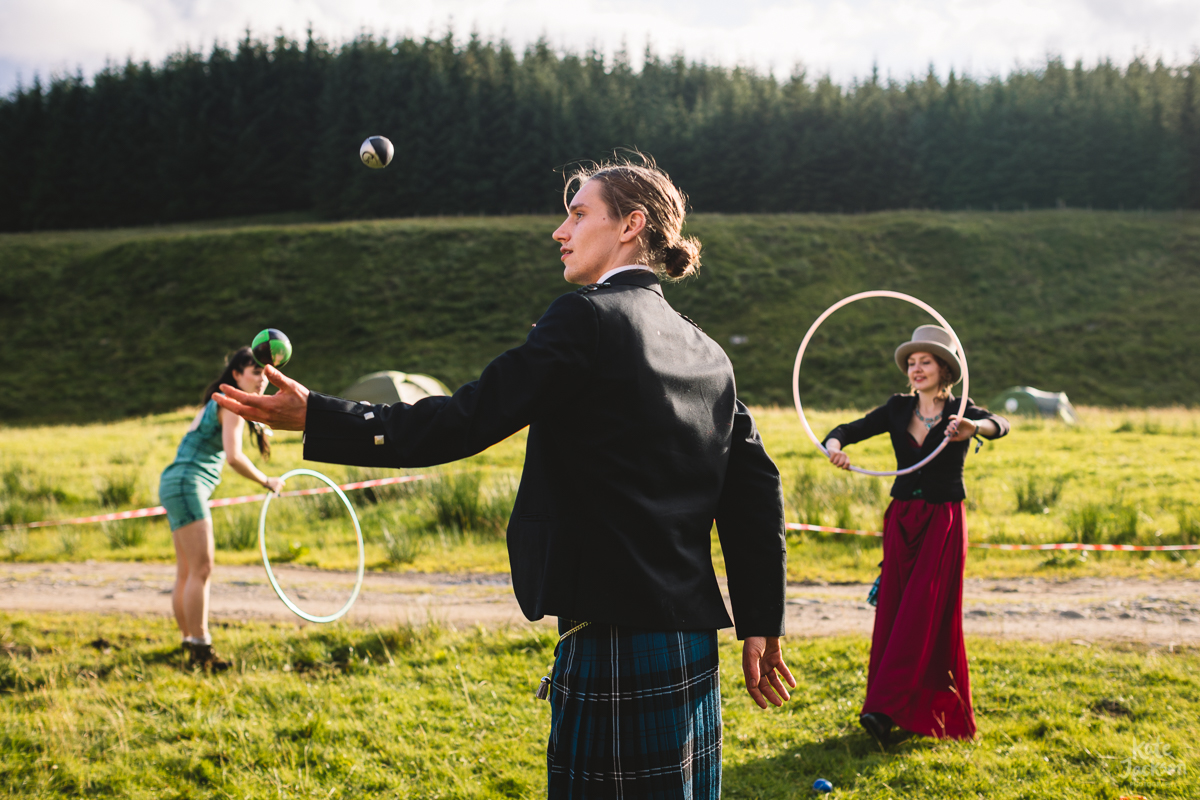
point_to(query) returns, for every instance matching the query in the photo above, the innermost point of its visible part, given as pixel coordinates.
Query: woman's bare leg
(194, 545)
(181, 576)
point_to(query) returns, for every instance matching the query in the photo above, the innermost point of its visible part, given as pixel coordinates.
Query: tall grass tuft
(402, 548)
(1086, 523)
(825, 496)
(1104, 523)
(1037, 494)
(117, 488)
(26, 496)
(18, 482)
(124, 534)
(459, 503)
(324, 506)
(69, 540)
(15, 543)
(806, 499)
(1189, 525)
(455, 500)
(843, 513)
(1124, 529)
(15, 512)
(500, 495)
(239, 528)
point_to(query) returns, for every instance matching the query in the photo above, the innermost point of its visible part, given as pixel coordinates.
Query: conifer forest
(272, 126)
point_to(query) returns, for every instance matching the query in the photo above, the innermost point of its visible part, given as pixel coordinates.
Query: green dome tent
(1031, 402)
(391, 386)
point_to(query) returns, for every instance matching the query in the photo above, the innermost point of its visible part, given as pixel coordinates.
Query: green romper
(187, 484)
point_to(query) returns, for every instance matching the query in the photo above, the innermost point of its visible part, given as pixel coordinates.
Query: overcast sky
(841, 37)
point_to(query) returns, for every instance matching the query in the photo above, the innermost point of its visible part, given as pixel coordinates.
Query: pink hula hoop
(962, 406)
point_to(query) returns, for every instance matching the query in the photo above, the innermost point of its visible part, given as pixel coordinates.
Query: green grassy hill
(104, 324)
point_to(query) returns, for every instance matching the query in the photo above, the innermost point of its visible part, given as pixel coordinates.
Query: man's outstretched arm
(513, 390)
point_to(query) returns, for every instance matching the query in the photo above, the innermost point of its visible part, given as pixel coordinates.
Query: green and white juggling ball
(272, 347)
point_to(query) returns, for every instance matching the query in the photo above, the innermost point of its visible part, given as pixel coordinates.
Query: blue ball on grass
(822, 785)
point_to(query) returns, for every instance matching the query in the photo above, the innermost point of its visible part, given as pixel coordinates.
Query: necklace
(928, 422)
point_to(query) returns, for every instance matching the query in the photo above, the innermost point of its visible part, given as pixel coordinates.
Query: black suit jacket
(939, 481)
(636, 444)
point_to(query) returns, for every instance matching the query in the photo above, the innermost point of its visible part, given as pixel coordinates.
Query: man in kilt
(637, 443)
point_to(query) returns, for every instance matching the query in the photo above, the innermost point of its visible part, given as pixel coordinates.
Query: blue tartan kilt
(635, 714)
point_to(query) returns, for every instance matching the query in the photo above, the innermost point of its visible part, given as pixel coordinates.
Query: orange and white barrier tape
(802, 526)
(791, 526)
(157, 511)
(1078, 546)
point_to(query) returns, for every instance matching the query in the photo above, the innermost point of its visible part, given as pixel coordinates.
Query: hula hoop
(966, 380)
(262, 546)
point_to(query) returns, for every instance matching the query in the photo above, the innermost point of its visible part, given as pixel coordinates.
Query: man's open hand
(762, 664)
(286, 410)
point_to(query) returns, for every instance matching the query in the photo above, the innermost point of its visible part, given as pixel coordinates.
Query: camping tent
(391, 386)
(1032, 402)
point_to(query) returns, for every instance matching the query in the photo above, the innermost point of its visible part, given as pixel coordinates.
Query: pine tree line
(274, 126)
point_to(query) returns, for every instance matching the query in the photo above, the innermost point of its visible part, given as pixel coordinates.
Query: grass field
(1099, 305)
(100, 707)
(1120, 476)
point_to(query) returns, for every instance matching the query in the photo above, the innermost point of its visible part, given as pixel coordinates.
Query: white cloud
(842, 37)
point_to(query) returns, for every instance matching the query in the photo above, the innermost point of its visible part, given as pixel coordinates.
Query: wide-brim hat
(931, 339)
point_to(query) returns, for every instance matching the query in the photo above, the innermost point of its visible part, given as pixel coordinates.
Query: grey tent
(1032, 402)
(391, 386)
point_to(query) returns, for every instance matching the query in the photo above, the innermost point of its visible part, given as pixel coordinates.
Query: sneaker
(878, 725)
(204, 656)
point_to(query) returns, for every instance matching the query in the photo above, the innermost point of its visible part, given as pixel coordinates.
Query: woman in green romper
(214, 437)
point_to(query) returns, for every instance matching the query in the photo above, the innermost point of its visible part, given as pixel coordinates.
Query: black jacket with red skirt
(939, 481)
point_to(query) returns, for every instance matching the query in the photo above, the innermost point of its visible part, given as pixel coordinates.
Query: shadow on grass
(171, 656)
(848, 759)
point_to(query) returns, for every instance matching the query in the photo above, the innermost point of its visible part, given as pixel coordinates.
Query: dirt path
(1165, 613)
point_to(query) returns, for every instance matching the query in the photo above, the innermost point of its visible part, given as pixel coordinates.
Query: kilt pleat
(635, 714)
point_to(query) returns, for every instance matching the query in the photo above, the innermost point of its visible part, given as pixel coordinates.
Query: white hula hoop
(966, 379)
(262, 546)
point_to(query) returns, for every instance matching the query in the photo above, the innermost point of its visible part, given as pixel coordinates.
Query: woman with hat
(918, 678)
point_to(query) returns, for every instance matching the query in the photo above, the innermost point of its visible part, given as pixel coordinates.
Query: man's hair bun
(682, 259)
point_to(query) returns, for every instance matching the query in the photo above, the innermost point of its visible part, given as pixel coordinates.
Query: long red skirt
(918, 674)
